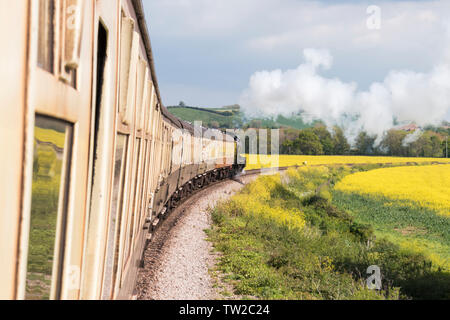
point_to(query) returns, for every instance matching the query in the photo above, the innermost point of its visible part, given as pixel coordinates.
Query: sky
(212, 53)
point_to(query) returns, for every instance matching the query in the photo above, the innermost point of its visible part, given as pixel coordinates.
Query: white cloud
(318, 58)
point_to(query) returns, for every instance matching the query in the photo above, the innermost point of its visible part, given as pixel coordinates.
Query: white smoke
(412, 137)
(423, 98)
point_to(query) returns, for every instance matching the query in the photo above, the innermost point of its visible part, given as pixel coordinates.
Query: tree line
(320, 141)
(430, 143)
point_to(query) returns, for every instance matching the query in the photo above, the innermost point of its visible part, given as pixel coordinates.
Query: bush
(363, 232)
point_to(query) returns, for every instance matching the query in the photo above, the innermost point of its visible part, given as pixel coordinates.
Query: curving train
(92, 161)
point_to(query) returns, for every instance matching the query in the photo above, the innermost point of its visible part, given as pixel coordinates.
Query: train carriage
(94, 160)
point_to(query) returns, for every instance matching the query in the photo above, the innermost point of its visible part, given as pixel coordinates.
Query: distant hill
(231, 117)
(226, 117)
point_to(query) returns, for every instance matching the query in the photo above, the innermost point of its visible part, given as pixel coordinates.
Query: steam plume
(411, 138)
(403, 95)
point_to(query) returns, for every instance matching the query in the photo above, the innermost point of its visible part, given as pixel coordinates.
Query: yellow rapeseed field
(264, 161)
(427, 186)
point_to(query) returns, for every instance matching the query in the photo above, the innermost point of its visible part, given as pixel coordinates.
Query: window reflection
(52, 141)
(139, 188)
(115, 218)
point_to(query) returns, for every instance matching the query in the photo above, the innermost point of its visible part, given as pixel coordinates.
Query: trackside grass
(282, 237)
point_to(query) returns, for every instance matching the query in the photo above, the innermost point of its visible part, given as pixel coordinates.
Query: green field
(417, 229)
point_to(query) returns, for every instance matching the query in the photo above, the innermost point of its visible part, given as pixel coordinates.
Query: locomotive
(93, 161)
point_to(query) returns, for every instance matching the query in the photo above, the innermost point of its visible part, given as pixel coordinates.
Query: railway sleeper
(172, 203)
(155, 224)
(163, 214)
(200, 182)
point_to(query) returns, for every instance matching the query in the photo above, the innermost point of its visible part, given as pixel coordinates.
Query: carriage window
(128, 53)
(51, 167)
(116, 213)
(46, 34)
(135, 191)
(142, 198)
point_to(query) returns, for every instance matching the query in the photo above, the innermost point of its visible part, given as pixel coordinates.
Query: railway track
(178, 251)
(161, 228)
